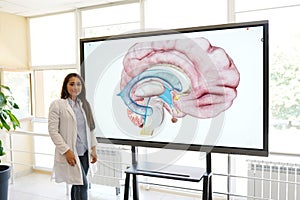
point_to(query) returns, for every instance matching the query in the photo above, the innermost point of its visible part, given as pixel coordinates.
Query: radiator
(273, 180)
(109, 166)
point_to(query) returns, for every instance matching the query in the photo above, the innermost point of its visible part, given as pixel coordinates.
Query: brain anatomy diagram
(181, 77)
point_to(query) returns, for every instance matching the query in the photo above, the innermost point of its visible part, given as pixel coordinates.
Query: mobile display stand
(175, 172)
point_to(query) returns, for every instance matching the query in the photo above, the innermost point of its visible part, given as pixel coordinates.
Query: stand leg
(205, 188)
(135, 187)
(210, 187)
(134, 177)
(207, 182)
(126, 192)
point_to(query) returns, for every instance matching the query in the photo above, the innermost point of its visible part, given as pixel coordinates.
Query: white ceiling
(29, 8)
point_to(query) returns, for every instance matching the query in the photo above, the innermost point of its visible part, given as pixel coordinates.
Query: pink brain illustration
(186, 76)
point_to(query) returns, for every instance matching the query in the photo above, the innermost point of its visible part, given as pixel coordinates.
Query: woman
(70, 126)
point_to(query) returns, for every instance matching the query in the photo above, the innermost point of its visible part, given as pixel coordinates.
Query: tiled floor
(37, 186)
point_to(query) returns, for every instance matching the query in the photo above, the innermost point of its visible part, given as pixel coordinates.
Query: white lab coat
(62, 129)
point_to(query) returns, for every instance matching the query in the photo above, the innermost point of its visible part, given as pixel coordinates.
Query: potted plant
(7, 119)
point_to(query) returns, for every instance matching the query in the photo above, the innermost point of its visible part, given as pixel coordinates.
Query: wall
(13, 41)
(14, 55)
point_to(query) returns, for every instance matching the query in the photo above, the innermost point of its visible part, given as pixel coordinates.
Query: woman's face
(74, 87)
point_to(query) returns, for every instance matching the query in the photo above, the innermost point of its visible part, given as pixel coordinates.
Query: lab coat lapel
(70, 110)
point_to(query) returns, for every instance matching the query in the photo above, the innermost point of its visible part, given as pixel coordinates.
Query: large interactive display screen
(201, 88)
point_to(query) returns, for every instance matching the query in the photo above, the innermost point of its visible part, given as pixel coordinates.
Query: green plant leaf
(2, 153)
(13, 119)
(4, 123)
(2, 100)
(15, 106)
(7, 104)
(4, 115)
(5, 87)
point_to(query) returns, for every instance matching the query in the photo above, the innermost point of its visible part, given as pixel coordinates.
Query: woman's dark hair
(82, 96)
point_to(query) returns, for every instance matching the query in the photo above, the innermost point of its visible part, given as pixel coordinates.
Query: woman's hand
(94, 156)
(70, 157)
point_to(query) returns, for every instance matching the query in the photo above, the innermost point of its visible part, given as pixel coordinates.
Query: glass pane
(19, 84)
(52, 40)
(48, 85)
(110, 15)
(219, 163)
(168, 14)
(219, 184)
(104, 21)
(242, 5)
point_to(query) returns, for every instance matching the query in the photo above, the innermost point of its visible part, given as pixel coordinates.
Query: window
(48, 85)
(53, 55)
(20, 86)
(104, 21)
(284, 88)
(242, 6)
(284, 75)
(52, 40)
(169, 14)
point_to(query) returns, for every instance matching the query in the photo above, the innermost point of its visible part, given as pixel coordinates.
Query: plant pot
(4, 177)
